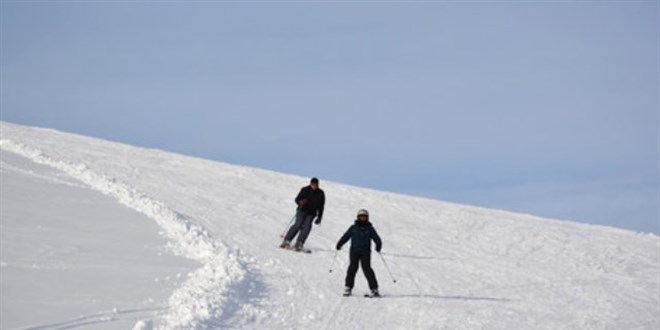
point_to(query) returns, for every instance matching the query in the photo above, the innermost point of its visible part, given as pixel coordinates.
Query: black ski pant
(364, 259)
(303, 225)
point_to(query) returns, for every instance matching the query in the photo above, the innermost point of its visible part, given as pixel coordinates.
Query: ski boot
(347, 291)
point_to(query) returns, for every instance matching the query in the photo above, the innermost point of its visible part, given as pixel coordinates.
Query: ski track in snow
(200, 302)
(88, 320)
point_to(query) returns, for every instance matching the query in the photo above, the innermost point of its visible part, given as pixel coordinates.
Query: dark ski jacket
(311, 201)
(361, 233)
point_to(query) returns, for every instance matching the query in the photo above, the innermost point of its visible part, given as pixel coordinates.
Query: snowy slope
(457, 267)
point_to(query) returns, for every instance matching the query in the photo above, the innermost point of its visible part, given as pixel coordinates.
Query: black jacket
(311, 201)
(361, 233)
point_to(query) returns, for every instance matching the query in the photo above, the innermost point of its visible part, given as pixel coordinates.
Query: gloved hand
(318, 221)
(378, 250)
(338, 247)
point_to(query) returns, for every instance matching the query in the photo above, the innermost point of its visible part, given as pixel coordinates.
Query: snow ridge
(199, 302)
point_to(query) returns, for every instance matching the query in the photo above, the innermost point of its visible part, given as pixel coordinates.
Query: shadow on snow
(433, 296)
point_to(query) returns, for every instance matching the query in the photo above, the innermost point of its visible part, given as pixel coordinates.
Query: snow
(103, 235)
(68, 251)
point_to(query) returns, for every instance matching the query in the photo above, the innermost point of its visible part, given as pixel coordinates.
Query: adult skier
(361, 233)
(310, 201)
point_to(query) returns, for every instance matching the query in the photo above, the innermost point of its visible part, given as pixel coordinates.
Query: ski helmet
(363, 212)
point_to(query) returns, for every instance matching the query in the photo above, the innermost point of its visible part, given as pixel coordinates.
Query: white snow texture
(455, 266)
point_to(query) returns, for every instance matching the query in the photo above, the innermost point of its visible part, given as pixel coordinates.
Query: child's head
(363, 215)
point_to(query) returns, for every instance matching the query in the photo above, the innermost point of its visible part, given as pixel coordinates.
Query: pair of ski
(366, 295)
(290, 248)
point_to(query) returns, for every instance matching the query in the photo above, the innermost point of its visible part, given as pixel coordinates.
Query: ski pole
(334, 261)
(387, 267)
(287, 226)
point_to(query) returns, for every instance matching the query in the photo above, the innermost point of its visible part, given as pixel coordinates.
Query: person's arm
(300, 199)
(344, 238)
(319, 215)
(376, 238)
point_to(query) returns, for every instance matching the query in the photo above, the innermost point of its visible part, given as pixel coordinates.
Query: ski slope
(456, 266)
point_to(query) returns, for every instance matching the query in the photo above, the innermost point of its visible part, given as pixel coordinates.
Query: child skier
(361, 233)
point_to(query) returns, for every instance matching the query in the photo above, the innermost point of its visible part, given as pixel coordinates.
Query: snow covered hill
(456, 266)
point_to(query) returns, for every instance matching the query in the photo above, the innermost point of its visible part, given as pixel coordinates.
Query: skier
(361, 233)
(311, 201)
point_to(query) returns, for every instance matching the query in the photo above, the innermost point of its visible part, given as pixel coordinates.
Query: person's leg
(369, 272)
(352, 270)
(306, 228)
(295, 228)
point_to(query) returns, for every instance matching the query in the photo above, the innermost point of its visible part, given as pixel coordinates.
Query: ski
(366, 295)
(294, 250)
(372, 296)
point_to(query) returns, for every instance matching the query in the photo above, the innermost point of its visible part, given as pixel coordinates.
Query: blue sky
(548, 108)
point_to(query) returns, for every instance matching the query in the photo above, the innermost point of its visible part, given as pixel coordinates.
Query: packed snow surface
(97, 234)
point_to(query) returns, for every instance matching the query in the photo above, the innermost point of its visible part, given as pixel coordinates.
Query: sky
(543, 107)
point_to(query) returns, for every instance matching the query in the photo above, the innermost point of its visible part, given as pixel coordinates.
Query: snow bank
(201, 298)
